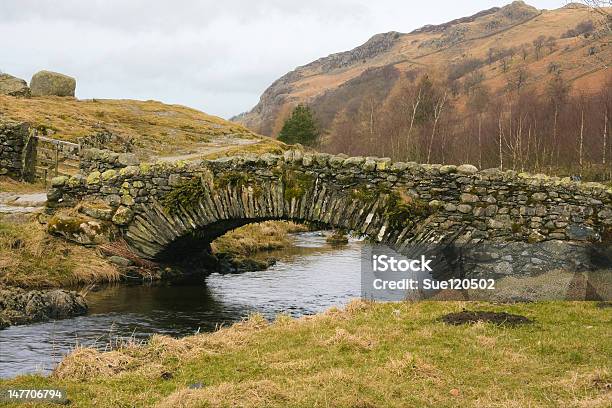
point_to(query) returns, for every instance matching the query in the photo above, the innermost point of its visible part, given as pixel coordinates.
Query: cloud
(217, 56)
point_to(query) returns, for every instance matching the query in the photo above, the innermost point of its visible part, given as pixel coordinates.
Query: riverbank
(31, 258)
(34, 260)
(368, 354)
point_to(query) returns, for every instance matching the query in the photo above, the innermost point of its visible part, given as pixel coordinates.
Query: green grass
(369, 355)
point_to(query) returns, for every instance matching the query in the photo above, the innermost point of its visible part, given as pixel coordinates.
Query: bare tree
(581, 134)
(437, 112)
(491, 53)
(551, 43)
(538, 44)
(558, 91)
(473, 81)
(478, 104)
(505, 64)
(605, 139)
(517, 79)
(601, 7)
(501, 136)
(415, 108)
(524, 51)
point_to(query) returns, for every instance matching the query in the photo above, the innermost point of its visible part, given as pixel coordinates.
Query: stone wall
(101, 160)
(17, 150)
(345, 192)
(107, 140)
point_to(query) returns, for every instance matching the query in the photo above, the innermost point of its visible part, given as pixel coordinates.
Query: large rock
(10, 85)
(79, 229)
(45, 83)
(18, 306)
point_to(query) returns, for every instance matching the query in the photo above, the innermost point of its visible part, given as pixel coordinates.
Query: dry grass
(10, 185)
(154, 126)
(252, 238)
(29, 257)
(266, 145)
(365, 355)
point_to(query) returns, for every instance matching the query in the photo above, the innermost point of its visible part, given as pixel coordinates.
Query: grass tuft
(30, 258)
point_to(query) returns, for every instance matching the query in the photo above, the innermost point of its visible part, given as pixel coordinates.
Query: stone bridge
(168, 210)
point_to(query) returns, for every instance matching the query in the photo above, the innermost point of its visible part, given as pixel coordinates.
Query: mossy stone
(93, 177)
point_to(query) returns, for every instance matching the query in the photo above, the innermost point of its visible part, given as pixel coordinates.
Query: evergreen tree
(300, 127)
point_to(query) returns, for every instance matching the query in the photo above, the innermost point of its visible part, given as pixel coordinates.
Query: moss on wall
(185, 194)
(232, 178)
(402, 210)
(296, 184)
(366, 194)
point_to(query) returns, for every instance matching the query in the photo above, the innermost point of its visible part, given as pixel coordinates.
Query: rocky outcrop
(48, 83)
(378, 44)
(18, 306)
(12, 86)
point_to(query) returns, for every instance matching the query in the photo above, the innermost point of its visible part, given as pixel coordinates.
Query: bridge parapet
(156, 204)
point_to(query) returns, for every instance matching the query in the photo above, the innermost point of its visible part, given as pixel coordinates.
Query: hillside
(495, 42)
(153, 128)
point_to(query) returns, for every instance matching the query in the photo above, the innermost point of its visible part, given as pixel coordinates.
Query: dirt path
(202, 149)
(22, 203)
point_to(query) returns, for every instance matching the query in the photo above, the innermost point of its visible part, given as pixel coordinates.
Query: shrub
(584, 27)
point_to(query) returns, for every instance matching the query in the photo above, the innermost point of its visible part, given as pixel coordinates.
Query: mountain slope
(341, 81)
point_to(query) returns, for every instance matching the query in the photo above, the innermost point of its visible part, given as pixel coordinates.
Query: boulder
(79, 229)
(123, 216)
(45, 83)
(10, 85)
(19, 306)
(120, 261)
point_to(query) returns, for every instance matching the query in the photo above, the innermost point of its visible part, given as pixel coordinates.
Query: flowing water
(308, 278)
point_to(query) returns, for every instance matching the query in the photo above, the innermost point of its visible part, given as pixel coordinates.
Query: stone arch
(206, 206)
(161, 208)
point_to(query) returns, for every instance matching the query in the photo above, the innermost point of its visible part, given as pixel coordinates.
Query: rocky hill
(152, 128)
(340, 81)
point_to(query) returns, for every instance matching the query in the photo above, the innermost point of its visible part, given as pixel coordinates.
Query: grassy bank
(31, 258)
(253, 238)
(248, 248)
(367, 355)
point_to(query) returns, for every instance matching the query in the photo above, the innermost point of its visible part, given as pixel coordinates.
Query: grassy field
(367, 355)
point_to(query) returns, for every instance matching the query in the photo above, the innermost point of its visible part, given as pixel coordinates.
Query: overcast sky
(216, 56)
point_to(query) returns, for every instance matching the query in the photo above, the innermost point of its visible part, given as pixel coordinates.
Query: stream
(308, 278)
